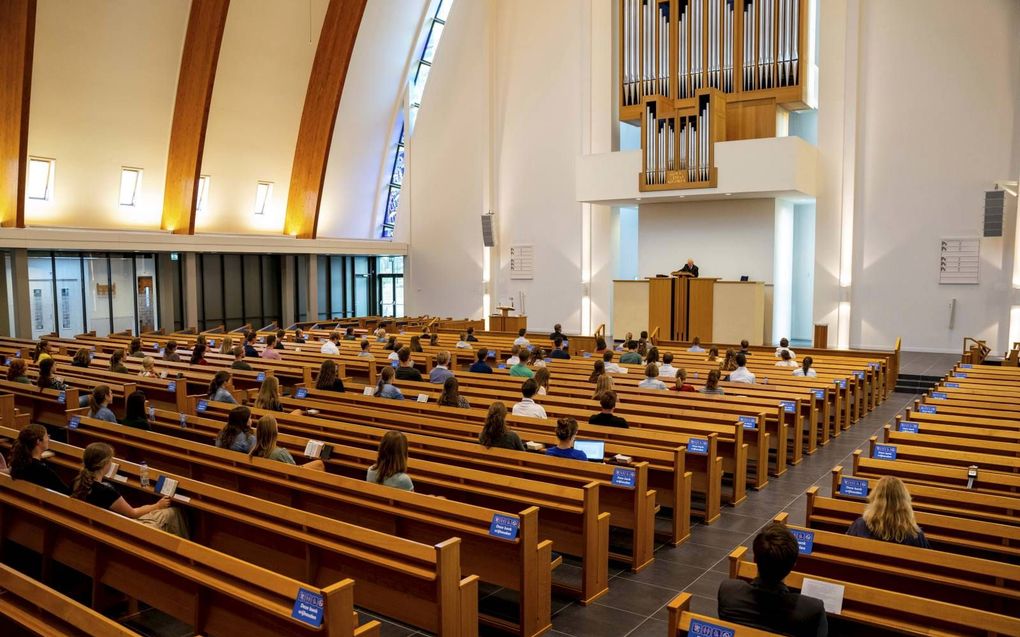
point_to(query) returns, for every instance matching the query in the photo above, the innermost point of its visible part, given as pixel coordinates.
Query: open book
(318, 449)
(166, 486)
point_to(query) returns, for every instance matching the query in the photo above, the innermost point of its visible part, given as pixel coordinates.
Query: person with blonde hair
(269, 396)
(603, 384)
(90, 485)
(542, 379)
(148, 367)
(266, 434)
(651, 380)
(889, 516)
(390, 467)
(227, 345)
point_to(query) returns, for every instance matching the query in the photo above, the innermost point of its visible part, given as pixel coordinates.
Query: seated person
(480, 366)
(27, 462)
(712, 384)
(270, 351)
(148, 368)
(249, 345)
(713, 355)
(611, 367)
(598, 369)
(462, 342)
(219, 388)
(380, 333)
(652, 355)
(766, 603)
(667, 369)
(135, 348)
(349, 334)
(17, 372)
(450, 396)
(99, 404)
(805, 368)
(81, 358)
(236, 435)
(606, 416)
(392, 344)
(600, 345)
(91, 486)
(628, 337)
(441, 371)
(239, 363)
(651, 380)
(696, 345)
(566, 432)
(384, 388)
(527, 406)
(559, 350)
(416, 344)
(520, 368)
(520, 340)
(46, 379)
(471, 335)
(631, 356)
(741, 374)
(785, 359)
(332, 345)
(889, 516)
(405, 367)
(270, 396)
(328, 379)
(744, 347)
(515, 356)
(557, 333)
(496, 433)
(265, 446)
(134, 412)
(681, 381)
(117, 362)
(784, 346)
(365, 352)
(390, 467)
(299, 336)
(280, 335)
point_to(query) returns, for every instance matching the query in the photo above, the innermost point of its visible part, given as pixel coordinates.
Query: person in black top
(766, 603)
(327, 378)
(81, 358)
(349, 334)
(280, 334)
(690, 268)
(405, 369)
(134, 412)
(557, 332)
(249, 344)
(889, 516)
(606, 416)
(495, 433)
(46, 379)
(27, 463)
(480, 366)
(299, 336)
(744, 345)
(558, 351)
(471, 335)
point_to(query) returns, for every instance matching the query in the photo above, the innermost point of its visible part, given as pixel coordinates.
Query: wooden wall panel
(325, 86)
(191, 113)
(17, 43)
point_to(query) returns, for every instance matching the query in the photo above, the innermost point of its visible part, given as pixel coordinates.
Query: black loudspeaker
(995, 204)
(488, 231)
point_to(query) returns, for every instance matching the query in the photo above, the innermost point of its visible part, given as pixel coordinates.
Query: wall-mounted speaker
(995, 204)
(488, 230)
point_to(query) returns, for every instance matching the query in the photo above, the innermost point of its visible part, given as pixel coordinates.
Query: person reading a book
(91, 486)
(265, 445)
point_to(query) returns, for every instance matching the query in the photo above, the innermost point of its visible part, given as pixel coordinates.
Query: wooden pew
(414, 583)
(986, 540)
(46, 406)
(875, 608)
(906, 452)
(212, 592)
(680, 618)
(523, 564)
(987, 481)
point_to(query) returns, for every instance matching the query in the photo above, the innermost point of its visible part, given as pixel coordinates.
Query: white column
(782, 272)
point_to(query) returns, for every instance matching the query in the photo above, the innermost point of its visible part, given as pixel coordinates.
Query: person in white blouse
(667, 369)
(331, 346)
(527, 406)
(784, 346)
(463, 343)
(651, 380)
(805, 368)
(786, 360)
(741, 374)
(520, 340)
(515, 357)
(611, 367)
(696, 345)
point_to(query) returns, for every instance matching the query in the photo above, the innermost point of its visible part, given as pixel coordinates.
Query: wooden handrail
(653, 338)
(600, 330)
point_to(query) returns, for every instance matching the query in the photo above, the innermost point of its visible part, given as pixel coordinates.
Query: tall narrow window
(40, 178)
(428, 42)
(263, 193)
(203, 193)
(130, 183)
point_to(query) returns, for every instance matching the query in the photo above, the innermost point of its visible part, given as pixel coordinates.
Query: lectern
(503, 322)
(681, 306)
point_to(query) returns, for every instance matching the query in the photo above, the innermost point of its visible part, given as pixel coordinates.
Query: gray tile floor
(927, 364)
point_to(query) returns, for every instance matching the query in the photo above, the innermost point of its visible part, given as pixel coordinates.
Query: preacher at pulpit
(690, 269)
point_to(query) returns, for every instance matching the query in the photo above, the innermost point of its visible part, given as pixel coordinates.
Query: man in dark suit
(558, 350)
(766, 603)
(690, 268)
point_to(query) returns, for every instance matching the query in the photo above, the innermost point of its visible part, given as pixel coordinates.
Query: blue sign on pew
(184, 420)
(587, 354)
(75, 421)
(623, 477)
(202, 406)
(531, 347)
(547, 359)
(953, 385)
(842, 383)
(301, 393)
(61, 397)
(788, 406)
(853, 487)
(261, 376)
(697, 445)
(17, 353)
(212, 343)
(702, 628)
(805, 541)
(819, 394)
(171, 386)
(875, 365)
(308, 608)
(749, 422)
(908, 427)
(7, 362)
(966, 366)
(504, 526)
(939, 395)
(501, 366)
(959, 375)
(884, 452)
(393, 363)
(859, 374)
(927, 409)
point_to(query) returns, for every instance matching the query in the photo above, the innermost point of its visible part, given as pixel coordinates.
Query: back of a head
(651, 370)
(808, 361)
(566, 428)
(271, 340)
(558, 342)
(529, 387)
(744, 344)
(608, 400)
(481, 355)
(644, 335)
(667, 358)
(404, 354)
(784, 342)
(775, 552)
(785, 355)
(713, 379)
(365, 345)
(697, 340)
(889, 513)
(443, 358)
(522, 332)
(608, 356)
(631, 344)
(392, 458)
(495, 423)
(741, 360)
(135, 405)
(265, 437)
(334, 336)
(238, 352)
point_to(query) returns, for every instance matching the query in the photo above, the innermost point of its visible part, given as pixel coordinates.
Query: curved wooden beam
(191, 113)
(322, 101)
(17, 43)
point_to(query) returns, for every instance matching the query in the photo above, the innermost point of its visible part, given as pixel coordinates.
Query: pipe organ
(694, 72)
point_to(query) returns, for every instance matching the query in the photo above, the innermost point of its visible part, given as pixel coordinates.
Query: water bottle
(766, 380)
(695, 374)
(152, 414)
(143, 474)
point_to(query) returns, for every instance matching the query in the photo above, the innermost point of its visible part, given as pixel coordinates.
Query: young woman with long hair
(390, 467)
(265, 446)
(81, 358)
(730, 362)
(385, 388)
(198, 355)
(236, 434)
(99, 404)
(598, 369)
(603, 384)
(27, 463)
(269, 395)
(117, 362)
(712, 383)
(542, 380)
(17, 371)
(495, 432)
(46, 379)
(805, 368)
(134, 412)
(889, 515)
(328, 379)
(450, 396)
(219, 388)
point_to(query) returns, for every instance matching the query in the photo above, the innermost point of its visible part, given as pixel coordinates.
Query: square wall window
(40, 178)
